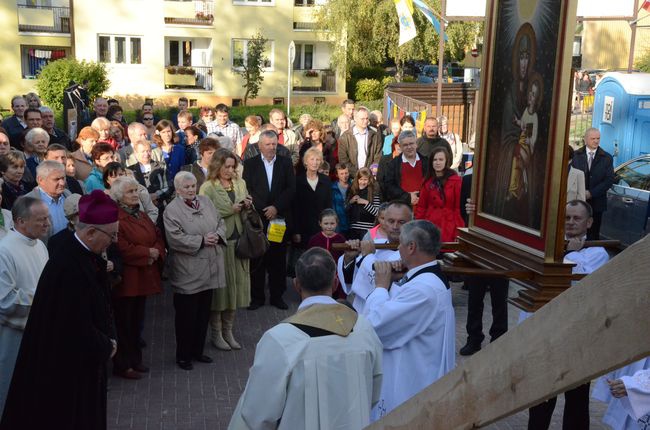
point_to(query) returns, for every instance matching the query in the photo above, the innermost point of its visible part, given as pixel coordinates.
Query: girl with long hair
(363, 199)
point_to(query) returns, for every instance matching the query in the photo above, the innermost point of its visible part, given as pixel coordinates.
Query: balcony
(303, 16)
(197, 12)
(188, 78)
(314, 81)
(43, 19)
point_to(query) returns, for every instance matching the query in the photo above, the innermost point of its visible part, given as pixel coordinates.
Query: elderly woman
(313, 194)
(143, 250)
(114, 170)
(196, 235)
(229, 195)
(101, 155)
(86, 139)
(36, 142)
(103, 126)
(12, 168)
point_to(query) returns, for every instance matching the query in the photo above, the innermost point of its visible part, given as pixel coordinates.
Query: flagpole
(441, 53)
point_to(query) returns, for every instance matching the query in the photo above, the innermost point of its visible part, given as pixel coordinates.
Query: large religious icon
(522, 130)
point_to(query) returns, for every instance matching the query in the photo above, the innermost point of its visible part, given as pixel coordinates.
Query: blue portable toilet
(622, 114)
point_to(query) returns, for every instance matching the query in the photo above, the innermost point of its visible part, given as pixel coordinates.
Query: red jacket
(444, 213)
(135, 237)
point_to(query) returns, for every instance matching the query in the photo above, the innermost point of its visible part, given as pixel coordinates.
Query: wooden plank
(596, 326)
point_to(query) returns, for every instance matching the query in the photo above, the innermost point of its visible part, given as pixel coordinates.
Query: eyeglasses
(113, 236)
(148, 119)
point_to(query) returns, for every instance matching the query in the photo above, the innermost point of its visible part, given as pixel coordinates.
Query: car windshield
(635, 175)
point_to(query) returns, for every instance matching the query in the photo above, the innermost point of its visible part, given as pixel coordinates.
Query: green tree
(56, 76)
(643, 62)
(251, 70)
(366, 32)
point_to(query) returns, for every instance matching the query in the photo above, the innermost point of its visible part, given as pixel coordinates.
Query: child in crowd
(328, 222)
(324, 168)
(378, 232)
(339, 191)
(362, 203)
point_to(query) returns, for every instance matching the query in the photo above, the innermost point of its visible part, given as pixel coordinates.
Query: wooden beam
(596, 326)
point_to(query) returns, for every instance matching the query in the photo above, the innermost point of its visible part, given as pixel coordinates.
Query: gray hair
(131, 129)
(406, 135)
(361, 109)
(590, 130)
(375, 115)
(226, 142)
(45, 109)
(315, 270)
(22, 208)
(268, 134)
(424, 234)
(34, 133)
(183, 176)
(342, 117)
(46, 168)
(117, 187)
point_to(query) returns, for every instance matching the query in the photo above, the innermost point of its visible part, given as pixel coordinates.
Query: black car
(627, 217)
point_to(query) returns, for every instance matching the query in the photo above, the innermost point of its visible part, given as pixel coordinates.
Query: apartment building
(165, 49)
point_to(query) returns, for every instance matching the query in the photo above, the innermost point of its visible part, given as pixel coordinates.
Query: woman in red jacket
(440, 196)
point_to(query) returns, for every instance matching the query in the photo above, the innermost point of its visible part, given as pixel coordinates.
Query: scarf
(134, 212)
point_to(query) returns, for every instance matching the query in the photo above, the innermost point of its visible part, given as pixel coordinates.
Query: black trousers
(593, 233)
(477, 287)
(274, 262)
(576, 411)
(129, 316)
(191, 323)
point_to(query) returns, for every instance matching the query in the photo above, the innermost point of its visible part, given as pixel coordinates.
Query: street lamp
(292, 57)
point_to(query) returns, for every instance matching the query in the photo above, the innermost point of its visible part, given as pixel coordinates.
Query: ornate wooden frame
(496, 242)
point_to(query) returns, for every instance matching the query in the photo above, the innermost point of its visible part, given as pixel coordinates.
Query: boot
(215, 332)
(228, 318)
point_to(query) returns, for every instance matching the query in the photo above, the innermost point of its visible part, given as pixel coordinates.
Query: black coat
(599, 178)
(60, 376)
(308, 204)
(391, 179)
(283, 186)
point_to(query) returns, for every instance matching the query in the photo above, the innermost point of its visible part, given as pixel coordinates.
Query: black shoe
(203, 359)
(141, 368)
(470, 349)
(185, 364)
(254, 306)
(280, 304)
(142, 343)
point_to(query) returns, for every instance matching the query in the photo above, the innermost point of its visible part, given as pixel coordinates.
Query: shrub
(56, 77)
(372, 89)
(358, 73)
(643, 62)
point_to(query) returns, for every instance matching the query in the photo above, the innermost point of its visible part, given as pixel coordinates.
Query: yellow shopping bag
(277, 228)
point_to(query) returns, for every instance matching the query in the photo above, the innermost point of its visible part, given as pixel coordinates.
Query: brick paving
(204, 398)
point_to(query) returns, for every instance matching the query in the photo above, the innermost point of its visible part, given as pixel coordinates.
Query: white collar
(357, 131)
(81, 242)
(268, 162)
(417, 158)
(316, 300)
(414, 270)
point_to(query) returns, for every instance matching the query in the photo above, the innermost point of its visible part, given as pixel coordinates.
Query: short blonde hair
(100, 123)
(183, 176)
(312, 152)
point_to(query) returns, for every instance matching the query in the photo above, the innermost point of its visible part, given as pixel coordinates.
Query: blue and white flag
(407, 29)
(429, 15)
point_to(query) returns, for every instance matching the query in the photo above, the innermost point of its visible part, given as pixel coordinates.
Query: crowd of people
(126, 209)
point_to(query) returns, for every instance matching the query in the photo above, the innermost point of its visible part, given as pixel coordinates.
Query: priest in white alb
(319, 369)
(355, 266)
(413, 318)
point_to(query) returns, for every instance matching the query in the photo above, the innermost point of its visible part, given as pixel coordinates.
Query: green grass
(322, 112)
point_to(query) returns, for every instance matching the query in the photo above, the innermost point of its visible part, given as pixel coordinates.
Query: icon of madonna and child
(519, 111)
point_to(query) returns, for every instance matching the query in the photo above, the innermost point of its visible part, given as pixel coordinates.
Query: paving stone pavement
(171, 398)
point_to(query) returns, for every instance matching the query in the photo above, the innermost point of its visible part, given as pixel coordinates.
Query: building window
(303, 2)
(254, 2)
(120, 49)
(34, 58)
(180, 52)
(304, 57)
(240, 53)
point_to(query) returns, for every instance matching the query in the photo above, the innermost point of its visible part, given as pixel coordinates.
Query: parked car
(627, 217)
(429, 74)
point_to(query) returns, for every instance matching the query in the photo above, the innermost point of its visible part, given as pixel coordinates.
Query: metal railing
(60, 19)
(314, 80)
(188, 77)
(204, 14)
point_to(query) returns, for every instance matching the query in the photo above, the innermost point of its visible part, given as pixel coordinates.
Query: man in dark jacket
(598, 167)
(404, 174)
(360, 146)
(271, 182)
(430, 138)
(15, 125)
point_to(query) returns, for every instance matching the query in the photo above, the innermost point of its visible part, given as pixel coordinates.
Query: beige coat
(193, 268)
(82, 166)
(219, 197)
(576, 185)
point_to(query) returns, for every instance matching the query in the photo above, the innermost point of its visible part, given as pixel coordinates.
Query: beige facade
(165, 49)
(606, 44)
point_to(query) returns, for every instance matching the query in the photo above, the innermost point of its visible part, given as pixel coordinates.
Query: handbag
(252, 242)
